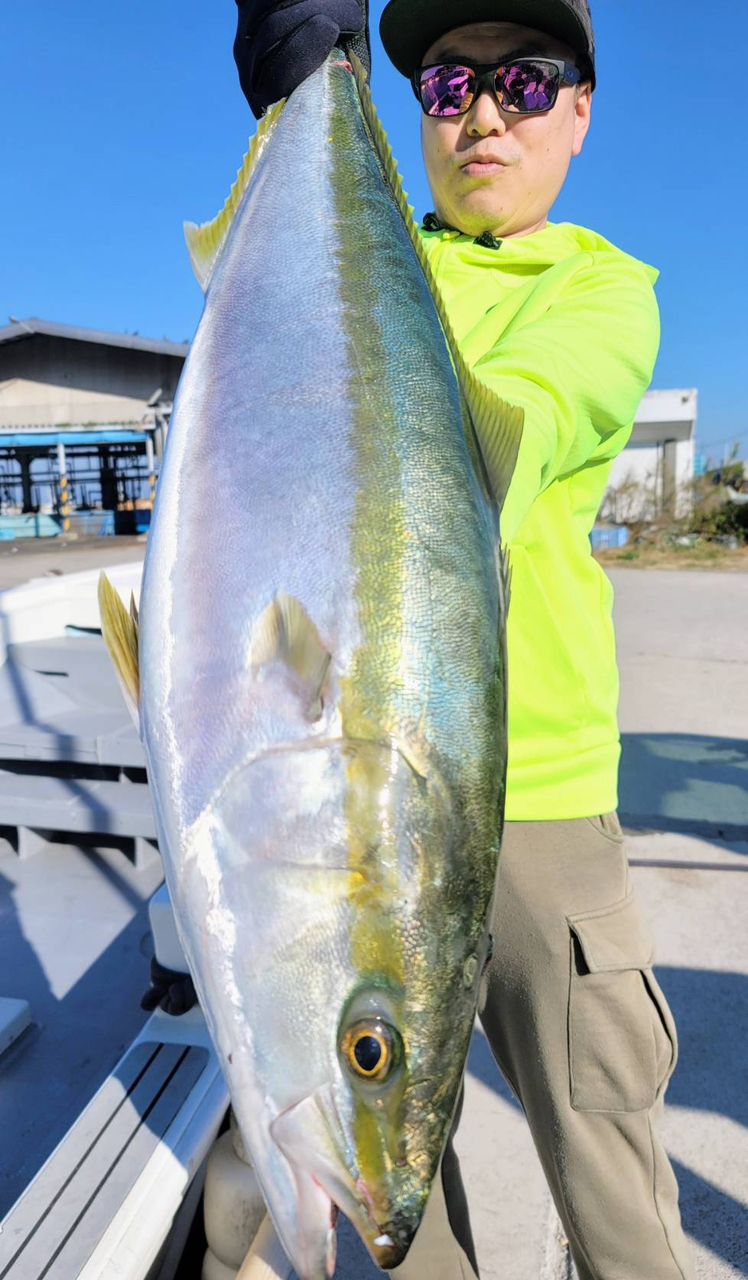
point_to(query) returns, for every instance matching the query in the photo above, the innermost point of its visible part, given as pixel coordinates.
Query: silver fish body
(330, 823)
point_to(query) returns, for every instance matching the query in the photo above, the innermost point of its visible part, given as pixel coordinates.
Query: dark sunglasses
(524, 86)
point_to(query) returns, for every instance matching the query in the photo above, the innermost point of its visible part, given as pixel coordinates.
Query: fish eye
(370, 1049)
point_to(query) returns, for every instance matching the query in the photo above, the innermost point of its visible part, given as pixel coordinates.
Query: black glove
(281, 42)
(171, 991)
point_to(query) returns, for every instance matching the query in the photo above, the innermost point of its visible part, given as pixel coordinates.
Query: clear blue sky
(121, 119)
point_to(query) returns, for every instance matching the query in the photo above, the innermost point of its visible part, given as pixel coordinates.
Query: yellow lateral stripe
(372, 685)
(494, 419)
(206, 241)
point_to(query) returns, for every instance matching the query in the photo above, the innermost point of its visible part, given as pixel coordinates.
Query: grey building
(82, 417)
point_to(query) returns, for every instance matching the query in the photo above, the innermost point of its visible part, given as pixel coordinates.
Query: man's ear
(582, 116)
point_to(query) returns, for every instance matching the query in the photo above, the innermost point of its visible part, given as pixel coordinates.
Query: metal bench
(105, 1201)
(34, 804)
(70, 758)
(59, 700)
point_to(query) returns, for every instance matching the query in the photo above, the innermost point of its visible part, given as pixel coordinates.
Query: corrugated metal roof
(26, 328)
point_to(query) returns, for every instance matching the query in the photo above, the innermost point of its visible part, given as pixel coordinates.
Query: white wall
(657, 462)
(642, 465)
(24, 402)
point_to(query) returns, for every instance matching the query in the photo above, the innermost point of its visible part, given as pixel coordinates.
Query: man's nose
(485, 116)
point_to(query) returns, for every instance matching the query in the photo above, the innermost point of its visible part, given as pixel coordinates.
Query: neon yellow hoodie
(565, 325)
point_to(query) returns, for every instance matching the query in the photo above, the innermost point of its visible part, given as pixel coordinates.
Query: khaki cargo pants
(584, 1036)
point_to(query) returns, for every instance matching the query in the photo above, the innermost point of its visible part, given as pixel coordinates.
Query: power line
(731, 439)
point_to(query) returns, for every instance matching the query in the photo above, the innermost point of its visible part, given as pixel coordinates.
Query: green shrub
(713, 514)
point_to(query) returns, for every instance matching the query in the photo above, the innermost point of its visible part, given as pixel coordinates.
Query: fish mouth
(306, 1224)
(388, 1250)
(305, 1137)
(387, 1243)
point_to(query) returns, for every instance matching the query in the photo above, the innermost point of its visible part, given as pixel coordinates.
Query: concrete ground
(25, 558)
(683, 650)
(683, 653)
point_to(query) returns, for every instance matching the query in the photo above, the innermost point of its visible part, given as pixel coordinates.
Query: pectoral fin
(285, 633)
(120, 631)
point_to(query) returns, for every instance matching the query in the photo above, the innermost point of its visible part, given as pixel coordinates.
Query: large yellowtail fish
(322, 678)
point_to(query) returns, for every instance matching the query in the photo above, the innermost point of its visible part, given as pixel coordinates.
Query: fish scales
(323, 685)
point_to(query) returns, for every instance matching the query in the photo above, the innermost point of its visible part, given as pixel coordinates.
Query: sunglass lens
(446, 90)
(527, 86)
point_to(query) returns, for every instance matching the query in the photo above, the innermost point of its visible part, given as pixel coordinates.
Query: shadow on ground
(712, 1217)
(76, 1039)
(686, 783)
(711, 1012)
(482, 1066)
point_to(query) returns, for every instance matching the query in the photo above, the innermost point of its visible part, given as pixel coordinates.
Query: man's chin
(476, 212)
(476, 225)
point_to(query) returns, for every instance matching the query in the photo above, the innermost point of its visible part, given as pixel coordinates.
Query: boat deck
(74, 943)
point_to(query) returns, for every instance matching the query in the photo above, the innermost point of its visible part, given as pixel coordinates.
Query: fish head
(346, 989)
(419, 943)
(372, 1139)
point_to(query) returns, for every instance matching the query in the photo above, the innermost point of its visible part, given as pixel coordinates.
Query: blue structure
(609, 537)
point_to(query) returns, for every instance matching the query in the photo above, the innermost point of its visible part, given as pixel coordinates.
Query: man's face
(491, 170)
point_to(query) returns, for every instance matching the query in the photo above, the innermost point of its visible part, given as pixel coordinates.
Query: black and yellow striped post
(150, 459)
(64, 488)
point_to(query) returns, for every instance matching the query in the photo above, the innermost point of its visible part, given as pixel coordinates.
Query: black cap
(409, 27)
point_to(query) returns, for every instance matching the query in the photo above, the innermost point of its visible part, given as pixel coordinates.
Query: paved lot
(683, 648)
(26, 558)
(683, 652)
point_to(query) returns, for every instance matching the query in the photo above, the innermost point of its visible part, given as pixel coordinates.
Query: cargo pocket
(607, 825)
(622, 1041)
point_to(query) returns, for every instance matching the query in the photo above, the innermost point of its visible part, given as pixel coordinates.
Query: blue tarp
(98, 524)
(50, 439)
(609, 537)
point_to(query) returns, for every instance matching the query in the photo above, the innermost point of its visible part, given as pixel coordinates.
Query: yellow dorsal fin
(285, 633)
(120, 631)
(497, 423)
(205, 242)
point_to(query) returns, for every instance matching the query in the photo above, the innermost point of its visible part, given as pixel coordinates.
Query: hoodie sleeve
(578, 371)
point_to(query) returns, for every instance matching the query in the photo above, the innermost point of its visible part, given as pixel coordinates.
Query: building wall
(655, 470)
(59, 377)
(644, 477)
(26, 403)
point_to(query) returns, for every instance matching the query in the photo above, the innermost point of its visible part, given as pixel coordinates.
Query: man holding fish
(561, 324)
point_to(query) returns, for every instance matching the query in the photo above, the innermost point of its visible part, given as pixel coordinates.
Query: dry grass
(704, 555)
